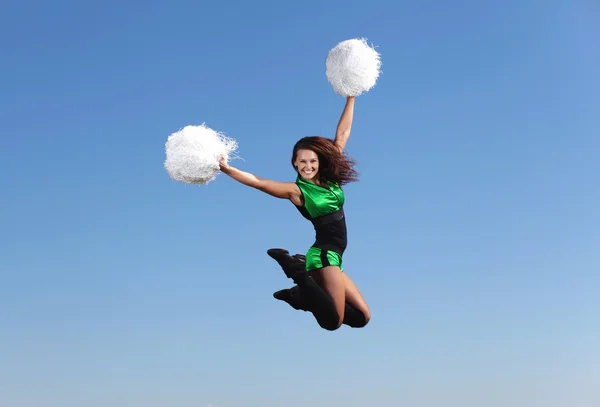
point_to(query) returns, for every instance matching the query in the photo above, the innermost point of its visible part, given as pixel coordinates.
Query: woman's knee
(356, 318)
(331, 323)
(329, 318)
(367, 318)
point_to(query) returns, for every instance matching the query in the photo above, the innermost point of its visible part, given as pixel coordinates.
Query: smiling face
(307, 164)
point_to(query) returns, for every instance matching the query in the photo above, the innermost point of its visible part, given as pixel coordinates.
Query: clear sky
(474, 232)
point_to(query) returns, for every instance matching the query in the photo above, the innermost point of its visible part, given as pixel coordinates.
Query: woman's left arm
(344, 126)
(284, 190)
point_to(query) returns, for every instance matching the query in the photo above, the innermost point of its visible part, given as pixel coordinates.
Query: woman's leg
(313, 298)
(325, 302)
(353, 317)
(356, 312)
(331, 279)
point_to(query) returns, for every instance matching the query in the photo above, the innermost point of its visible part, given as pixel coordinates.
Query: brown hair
(334, 166)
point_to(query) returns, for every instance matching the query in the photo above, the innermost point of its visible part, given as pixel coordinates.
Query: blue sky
(473, 233)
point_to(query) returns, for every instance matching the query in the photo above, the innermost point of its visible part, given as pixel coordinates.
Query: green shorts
(317, 258)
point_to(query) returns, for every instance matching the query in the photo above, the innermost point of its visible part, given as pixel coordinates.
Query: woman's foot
(293, 297)
(292, 266)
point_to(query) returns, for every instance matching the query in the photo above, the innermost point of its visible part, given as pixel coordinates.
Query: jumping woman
(322, 286)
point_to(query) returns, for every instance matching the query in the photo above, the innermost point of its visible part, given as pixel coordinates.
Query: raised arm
(345, 124)
(284, 190)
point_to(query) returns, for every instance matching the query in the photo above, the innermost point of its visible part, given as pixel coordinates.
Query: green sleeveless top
(324, 208)
(320, 200)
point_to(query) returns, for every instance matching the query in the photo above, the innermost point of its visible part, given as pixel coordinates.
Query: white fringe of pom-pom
(352, 67)
(193, 154)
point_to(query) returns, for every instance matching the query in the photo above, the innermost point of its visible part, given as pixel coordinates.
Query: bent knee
(361, 322)
(331, 327)
(331, 323)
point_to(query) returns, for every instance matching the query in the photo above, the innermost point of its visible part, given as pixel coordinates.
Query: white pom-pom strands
(352, 67)
(193, 154)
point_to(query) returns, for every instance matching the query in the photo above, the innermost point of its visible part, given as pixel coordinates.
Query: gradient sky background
(474, 232)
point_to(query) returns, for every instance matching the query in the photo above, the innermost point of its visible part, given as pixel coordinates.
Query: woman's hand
(223, 166)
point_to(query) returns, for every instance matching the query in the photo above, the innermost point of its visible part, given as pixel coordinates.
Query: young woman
(322, 286)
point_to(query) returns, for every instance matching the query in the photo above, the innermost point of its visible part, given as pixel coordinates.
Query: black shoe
(292, 266)
(293, 297)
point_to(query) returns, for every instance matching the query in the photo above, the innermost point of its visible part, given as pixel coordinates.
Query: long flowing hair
(334, 166)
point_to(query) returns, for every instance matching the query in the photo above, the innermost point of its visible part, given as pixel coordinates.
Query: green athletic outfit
(324, 207)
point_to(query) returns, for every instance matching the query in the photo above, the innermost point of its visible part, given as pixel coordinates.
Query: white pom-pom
(352, 67)
(193, 154)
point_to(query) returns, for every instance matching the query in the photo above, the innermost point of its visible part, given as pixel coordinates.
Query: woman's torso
(324, 207)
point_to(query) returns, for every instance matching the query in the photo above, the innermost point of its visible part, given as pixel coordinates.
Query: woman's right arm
(284, 190)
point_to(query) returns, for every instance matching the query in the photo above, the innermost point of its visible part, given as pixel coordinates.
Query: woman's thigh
(332, 280)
